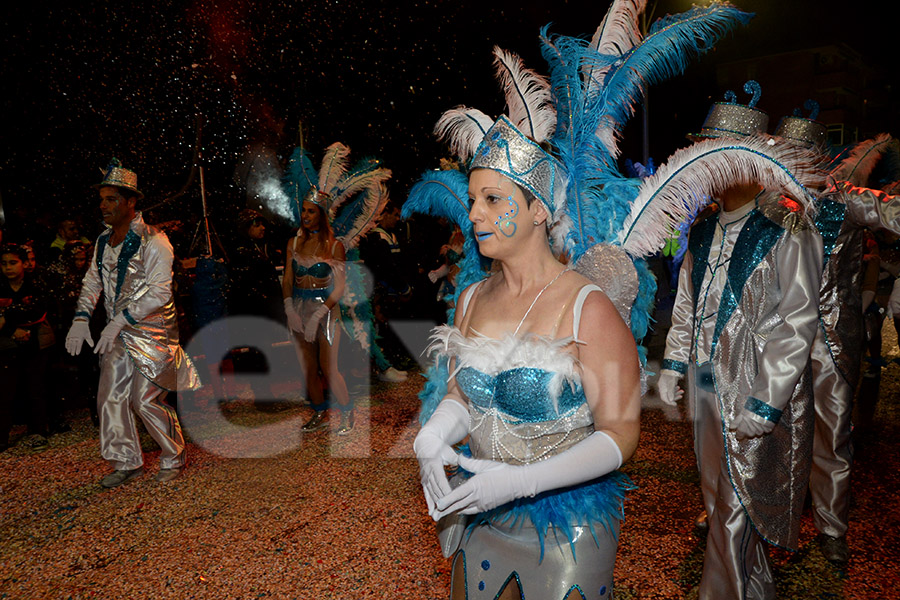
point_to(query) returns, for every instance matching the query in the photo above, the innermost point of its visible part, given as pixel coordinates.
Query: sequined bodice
(525, 397)
(522, 393)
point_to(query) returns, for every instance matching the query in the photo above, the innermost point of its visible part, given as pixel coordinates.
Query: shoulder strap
(579, 304)
(465, 302)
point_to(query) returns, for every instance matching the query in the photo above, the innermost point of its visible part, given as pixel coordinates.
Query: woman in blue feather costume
(539, 370)
(544, 381)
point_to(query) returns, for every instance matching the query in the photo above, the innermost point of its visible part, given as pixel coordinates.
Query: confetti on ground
(344, 517)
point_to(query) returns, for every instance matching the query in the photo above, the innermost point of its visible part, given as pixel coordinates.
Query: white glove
(295, 323)
(750, 425)
(441, 271)
(669, 392)
(434, 448)
(79, 332)
(496, 483)
(109, 334)
(312, 327)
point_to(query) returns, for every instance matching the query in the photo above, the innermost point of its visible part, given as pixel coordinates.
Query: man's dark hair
(15, 249)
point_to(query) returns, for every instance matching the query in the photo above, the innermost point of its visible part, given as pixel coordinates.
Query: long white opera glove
(312, 327)
(669, 391)
(448, 425)
(79, 332)
(750, 425)
(496, 483)
(108, 335)
(295, 323)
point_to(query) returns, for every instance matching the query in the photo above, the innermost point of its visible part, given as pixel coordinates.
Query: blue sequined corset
(521, 393)
(319, 270)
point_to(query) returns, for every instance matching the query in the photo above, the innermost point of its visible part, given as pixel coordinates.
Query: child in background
(25, 341)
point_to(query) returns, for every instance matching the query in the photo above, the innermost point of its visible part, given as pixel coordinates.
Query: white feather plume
(618, 33)
(375, 200)
(857, 167)
(463, 128)
(528, 96)
(334, 165)
(352, 185)
(693, 175)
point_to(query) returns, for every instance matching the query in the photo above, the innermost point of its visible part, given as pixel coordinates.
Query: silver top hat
(730, 119)
(804, 131)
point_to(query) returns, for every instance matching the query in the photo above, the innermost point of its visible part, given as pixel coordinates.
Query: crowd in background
(44, 264)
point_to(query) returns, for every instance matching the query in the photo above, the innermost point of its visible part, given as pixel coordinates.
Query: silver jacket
(765, 325)
(844, 211)
(142, 293)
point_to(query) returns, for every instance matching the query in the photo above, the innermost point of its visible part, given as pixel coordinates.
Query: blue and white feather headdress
(352, 198)
(511, 145)
(593, 89)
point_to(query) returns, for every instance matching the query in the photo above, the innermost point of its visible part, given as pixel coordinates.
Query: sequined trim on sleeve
(762, 409)
(674, 365)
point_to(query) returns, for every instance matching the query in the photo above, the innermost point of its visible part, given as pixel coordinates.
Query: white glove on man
(434, 448)
(295, 323)
(108, 335)
(669, 391)
(79, 332)
(441, 271)
(750, 425)
(496, 483)
(312, 327)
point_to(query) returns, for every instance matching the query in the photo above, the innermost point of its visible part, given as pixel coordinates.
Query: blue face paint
(505, 221)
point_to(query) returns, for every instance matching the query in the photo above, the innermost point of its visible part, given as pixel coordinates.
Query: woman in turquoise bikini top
(312, 286)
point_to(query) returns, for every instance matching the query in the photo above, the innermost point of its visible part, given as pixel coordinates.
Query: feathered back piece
(360, 215)
(336, 184)
(693, 175)
(617, 34)
(671, 44)
(859, 164)
(595, 87)
(299, 177)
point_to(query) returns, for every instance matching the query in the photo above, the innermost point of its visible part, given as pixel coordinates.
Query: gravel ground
(327, 517)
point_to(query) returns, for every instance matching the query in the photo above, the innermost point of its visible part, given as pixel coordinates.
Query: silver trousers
(829, 479)
(736, 564)
(123, 393)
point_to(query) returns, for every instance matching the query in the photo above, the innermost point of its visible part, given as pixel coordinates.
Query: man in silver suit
(844, 212)
(140, 357)
(744, 318)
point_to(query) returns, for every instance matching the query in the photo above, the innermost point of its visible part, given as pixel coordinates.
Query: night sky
(92, 80)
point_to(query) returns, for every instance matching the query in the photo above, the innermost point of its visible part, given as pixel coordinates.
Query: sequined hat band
(726, 119)
(802, 131)
(506, 150)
